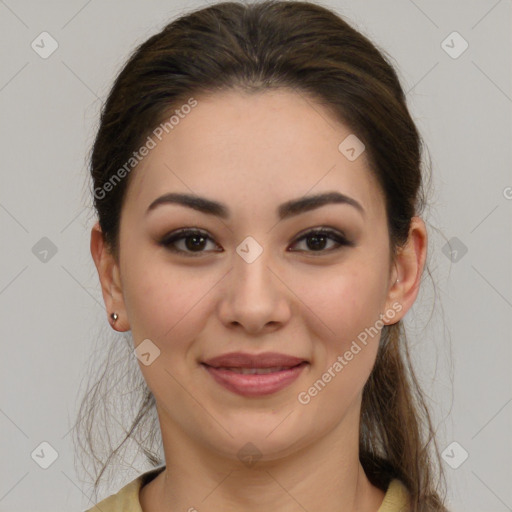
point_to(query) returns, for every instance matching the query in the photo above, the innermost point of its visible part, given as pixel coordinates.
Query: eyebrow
(284, 211)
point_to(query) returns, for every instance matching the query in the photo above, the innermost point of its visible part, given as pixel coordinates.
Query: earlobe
(410, 262)
(108, 273)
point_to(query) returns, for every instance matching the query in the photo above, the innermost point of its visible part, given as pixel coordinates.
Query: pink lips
(277, 372)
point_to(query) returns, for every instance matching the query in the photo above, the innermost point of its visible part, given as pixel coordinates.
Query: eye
(318, 239)
(195, 241)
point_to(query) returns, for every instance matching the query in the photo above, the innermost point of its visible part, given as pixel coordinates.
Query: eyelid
(333, 234)
(323, 230)
(181, 234)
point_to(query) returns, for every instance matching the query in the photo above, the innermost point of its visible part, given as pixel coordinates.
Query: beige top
(127, 499)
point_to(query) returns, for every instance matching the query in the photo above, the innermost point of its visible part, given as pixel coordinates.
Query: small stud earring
(114, 317)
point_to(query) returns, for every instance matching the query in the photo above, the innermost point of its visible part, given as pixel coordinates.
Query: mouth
(265, 360)
(255, 381)
(255, 371)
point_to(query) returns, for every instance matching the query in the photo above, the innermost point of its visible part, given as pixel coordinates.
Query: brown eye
(194, 241)
(317, 240)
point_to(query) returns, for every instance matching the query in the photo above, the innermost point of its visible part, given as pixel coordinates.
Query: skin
(252, 153)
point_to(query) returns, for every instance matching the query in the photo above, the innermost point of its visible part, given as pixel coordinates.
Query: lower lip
(255, 385)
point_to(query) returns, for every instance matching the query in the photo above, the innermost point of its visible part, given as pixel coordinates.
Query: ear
(109, 275)
(409, 264)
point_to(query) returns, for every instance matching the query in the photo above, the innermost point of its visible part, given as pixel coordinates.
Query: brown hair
(311, 50)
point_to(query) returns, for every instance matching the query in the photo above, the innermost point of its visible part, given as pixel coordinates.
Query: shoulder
(127, 498)
(396, 498)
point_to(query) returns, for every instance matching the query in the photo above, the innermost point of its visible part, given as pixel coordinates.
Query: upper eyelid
(199, 231)
(182, 233)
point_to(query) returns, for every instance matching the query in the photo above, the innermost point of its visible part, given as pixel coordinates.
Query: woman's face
(253, 283)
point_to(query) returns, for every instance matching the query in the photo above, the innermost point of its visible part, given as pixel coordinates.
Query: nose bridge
(254, 297)
(251, 267)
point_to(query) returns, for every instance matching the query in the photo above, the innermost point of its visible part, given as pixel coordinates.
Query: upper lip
(246, 360)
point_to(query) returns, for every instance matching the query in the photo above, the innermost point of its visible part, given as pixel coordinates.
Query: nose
(255, 297)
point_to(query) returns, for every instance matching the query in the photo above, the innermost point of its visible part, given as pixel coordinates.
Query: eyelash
(185, 233)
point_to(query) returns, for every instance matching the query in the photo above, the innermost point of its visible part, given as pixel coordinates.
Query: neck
(324, 475)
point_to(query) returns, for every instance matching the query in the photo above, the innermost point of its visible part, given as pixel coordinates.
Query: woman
(257, 178)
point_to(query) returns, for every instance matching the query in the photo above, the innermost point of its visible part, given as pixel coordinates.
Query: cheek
(345, 352)
(164, 302)
(345, 301)
(349, 304)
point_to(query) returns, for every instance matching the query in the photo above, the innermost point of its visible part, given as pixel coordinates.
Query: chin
(260, 439)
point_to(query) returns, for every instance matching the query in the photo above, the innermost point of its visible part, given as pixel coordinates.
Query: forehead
(254, 149)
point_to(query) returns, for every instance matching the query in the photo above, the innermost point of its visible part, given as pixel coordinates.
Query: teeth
(257, 371)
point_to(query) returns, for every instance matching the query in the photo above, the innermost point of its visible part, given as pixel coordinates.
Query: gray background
(51, 308)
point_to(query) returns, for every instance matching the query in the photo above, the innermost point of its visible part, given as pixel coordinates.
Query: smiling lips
(254, 375)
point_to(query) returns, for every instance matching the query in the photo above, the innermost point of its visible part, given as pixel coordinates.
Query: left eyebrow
(284, 211)
(306, 203)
